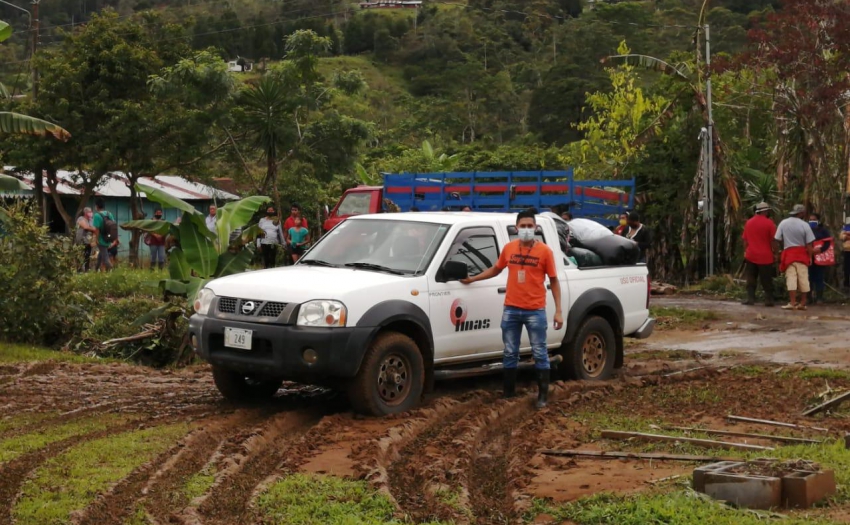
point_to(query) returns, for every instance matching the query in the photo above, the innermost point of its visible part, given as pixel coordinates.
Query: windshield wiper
(316, 262)
(370, 266)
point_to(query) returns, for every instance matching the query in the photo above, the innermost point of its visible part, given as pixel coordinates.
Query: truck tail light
(648, 290)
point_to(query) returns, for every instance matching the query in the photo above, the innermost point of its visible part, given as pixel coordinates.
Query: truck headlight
(203, 301)
(322, 313)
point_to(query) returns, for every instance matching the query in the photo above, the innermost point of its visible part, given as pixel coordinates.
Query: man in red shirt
(758, 254)
(528, 262)
(294, 213)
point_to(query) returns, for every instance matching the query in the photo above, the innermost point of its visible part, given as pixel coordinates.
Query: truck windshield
(354, 204)
(391, 246)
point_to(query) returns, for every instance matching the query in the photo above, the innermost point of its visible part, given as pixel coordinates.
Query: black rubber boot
(509, 378)
(542, 388)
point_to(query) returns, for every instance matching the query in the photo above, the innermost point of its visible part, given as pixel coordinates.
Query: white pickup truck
(376, 308)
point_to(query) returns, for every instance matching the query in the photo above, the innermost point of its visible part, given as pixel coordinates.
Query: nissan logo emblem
(248, 307)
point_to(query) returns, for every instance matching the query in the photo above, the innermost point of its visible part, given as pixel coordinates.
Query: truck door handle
(503, 290)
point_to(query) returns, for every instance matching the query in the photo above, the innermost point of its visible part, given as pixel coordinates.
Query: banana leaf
(25, 125)
(251, 233)
(148, 225)
(169, 201)
(178, 267)
(173, 286)
(155, 314)
(200, 251)
(9, 183)
(235, 215)
(231, 263)
(194, 286)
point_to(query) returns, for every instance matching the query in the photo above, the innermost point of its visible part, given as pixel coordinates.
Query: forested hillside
(490, 84)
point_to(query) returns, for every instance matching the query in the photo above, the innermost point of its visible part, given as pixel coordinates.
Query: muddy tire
(592, 353)
(391, 377)
(239, 387)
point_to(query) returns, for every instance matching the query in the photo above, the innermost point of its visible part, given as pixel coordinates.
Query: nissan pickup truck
(376, 308)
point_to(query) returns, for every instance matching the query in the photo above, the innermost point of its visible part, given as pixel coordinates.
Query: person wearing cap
(797, 238)
(758, 254)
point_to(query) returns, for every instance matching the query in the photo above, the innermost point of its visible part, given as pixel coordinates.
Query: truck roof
(441, 217)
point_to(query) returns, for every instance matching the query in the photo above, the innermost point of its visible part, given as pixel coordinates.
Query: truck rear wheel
(592, 353)
(239, 387)
(391, 377)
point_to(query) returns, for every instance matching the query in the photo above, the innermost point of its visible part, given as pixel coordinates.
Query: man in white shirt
(210, 220)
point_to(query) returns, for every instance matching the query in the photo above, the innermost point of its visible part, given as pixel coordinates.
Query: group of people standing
(804, 250)
(293, 235)
(97, 229)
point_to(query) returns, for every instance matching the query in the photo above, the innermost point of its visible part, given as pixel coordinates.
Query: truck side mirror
(454, 271)
(327, 211)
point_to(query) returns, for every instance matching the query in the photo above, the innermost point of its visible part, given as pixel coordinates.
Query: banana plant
(201, 254)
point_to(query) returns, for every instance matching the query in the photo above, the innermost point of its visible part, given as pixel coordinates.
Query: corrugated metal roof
(115, 185)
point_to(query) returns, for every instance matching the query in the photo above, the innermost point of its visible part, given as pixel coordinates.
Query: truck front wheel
(239, 387)
(391, 377)
(592, 353)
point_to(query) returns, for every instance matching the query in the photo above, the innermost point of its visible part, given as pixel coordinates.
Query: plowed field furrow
(166, 494)
(261, 454)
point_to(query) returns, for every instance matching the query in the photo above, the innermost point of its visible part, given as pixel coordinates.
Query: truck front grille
(272, 309)
(233, 305)
(227, 305)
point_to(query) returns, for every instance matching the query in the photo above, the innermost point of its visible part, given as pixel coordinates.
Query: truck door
(466, 318)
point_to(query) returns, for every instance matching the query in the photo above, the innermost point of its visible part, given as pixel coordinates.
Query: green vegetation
(198, 484)
(12, 447)
(72, 480)
(13, 353)
(678, 508)
(830, 455)
(674, 317)
(310, 500)
(667, 355)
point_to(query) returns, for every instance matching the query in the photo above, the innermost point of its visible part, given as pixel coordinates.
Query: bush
(35, 278)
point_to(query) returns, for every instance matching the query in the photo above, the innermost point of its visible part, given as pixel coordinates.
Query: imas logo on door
(458, 315)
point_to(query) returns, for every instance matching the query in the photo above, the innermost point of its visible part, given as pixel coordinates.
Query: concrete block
(802, 489)
(747, 491)
(700, 472)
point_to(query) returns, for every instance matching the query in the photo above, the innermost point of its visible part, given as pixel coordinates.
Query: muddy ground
(465, 456)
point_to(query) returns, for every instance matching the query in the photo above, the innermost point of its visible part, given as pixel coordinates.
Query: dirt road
(466, 456)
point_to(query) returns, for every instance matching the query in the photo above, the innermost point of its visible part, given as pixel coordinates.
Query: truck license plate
(236, 338)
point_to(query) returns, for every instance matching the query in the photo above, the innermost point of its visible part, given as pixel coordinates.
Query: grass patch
(14, 353)
(312, 500)
(119, 283)
(25, 420)
(138, 517)
(679, 508)
(198, 484)
(72, 480)
(667, 355)
(450, 497)
(749, 370)
(823, 373)
(675, 317)
(18, 445)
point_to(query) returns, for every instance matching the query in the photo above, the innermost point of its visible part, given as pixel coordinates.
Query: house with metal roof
(115, 192)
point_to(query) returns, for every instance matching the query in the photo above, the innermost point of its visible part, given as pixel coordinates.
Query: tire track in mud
(245, 463)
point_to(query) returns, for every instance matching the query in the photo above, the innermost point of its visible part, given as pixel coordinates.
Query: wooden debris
(678, 372)
(662, 480)
(713, 432)
(835, 401)
(707, 443)
(634, 455)
(773, 423)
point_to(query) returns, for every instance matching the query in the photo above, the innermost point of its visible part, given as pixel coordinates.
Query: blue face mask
(813, 224)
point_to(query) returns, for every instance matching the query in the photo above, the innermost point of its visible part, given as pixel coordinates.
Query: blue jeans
(513, 319)
(157, 254)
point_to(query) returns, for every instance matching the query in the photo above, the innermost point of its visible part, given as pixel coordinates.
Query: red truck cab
(355, 201)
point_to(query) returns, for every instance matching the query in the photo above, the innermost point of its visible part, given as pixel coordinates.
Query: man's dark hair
(526, 214)
(99, 204)
(568, 214)
(634, 216)
(157, 211)
(817, 215)
(295, 206)
(414, 208)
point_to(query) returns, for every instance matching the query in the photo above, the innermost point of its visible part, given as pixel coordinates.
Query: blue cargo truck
(497, 191)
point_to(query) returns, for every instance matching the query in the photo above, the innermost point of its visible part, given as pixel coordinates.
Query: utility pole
(709, 163)
(35, 30)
